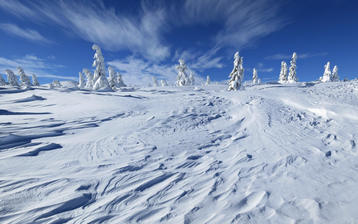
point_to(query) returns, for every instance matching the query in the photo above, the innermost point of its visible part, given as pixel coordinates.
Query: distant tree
(120, 82)
(155, 81)
(89, 77)
(237, 73)
(292, 74)
(163, 82)
(2, 81)
(25, 80)
(327, 75)
(81, 81)
(182, 78)
(283, 73)
(11, 78)
(112, 80)
(335, 76)
(207, 80)
(35, 82)
(100, 80)
(55, 84)
(191, 78)
(255, 78)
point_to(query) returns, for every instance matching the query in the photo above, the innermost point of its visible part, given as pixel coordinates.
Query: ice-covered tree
(99, 78)
(237, 73)
(89, 78)
(81, 81)
(11, 78)
(191, 78)
(163, 82)
(120, 82)
(283, 73)
(112, 79)
(335, 76)
(35, 82)
(292, 74)
(155, 81)
(55, 84)
(255, 78)
(182, 78)
(25, 80)
(207, 80)
(2, 81)
(327, 75)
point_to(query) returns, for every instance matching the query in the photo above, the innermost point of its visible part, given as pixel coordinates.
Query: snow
(268, 154)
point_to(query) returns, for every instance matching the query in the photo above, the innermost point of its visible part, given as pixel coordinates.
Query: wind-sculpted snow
(268, 154)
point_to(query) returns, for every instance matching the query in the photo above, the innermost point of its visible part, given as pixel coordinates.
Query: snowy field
(268, 154)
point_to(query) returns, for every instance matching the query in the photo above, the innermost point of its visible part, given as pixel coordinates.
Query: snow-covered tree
(89, 78)
(25, 80)
(182, 78)
(2, 81)
(237, 73)
(112, 80)
(100, 80)
(163, 82)
(335, 76)
(81, 81)
(283, 73)
(55, 84)
(207, 80)
(292, 74)
(191, 79)
(120, 82)
(11, 78)
(155, 81)
(255, 78)
(327, 75)
(35, 82)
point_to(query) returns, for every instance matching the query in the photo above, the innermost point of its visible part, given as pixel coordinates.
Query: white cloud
(301, 56)
(28, 34)
(33, 65)
(99, 24)
(139, 72)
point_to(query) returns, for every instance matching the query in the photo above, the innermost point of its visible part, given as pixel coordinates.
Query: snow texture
(268, 154)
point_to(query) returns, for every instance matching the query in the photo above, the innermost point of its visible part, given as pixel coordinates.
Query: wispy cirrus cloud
(301, 56)
(28, 34)
(95, 22)
(33, 65)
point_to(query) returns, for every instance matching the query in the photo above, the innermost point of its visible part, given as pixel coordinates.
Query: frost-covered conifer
(237, 74)
(283, 73)
(292, 74)
(55, 84)
(335, 76)
(120, 82)
(191, 79)
(327, 75)
(112, 80)
(255, 78)
(89, 78)
(25, 80)
(11, 78)
(2, 81)
(163, 82)
(100, 80)
(81, 81)
(182, 78)
(207, 80)
(35, 82)
(155, 81)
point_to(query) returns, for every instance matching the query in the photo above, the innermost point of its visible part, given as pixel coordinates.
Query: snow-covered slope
(268, 154)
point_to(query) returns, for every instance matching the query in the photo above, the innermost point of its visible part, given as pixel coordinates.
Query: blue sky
(141, 39)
